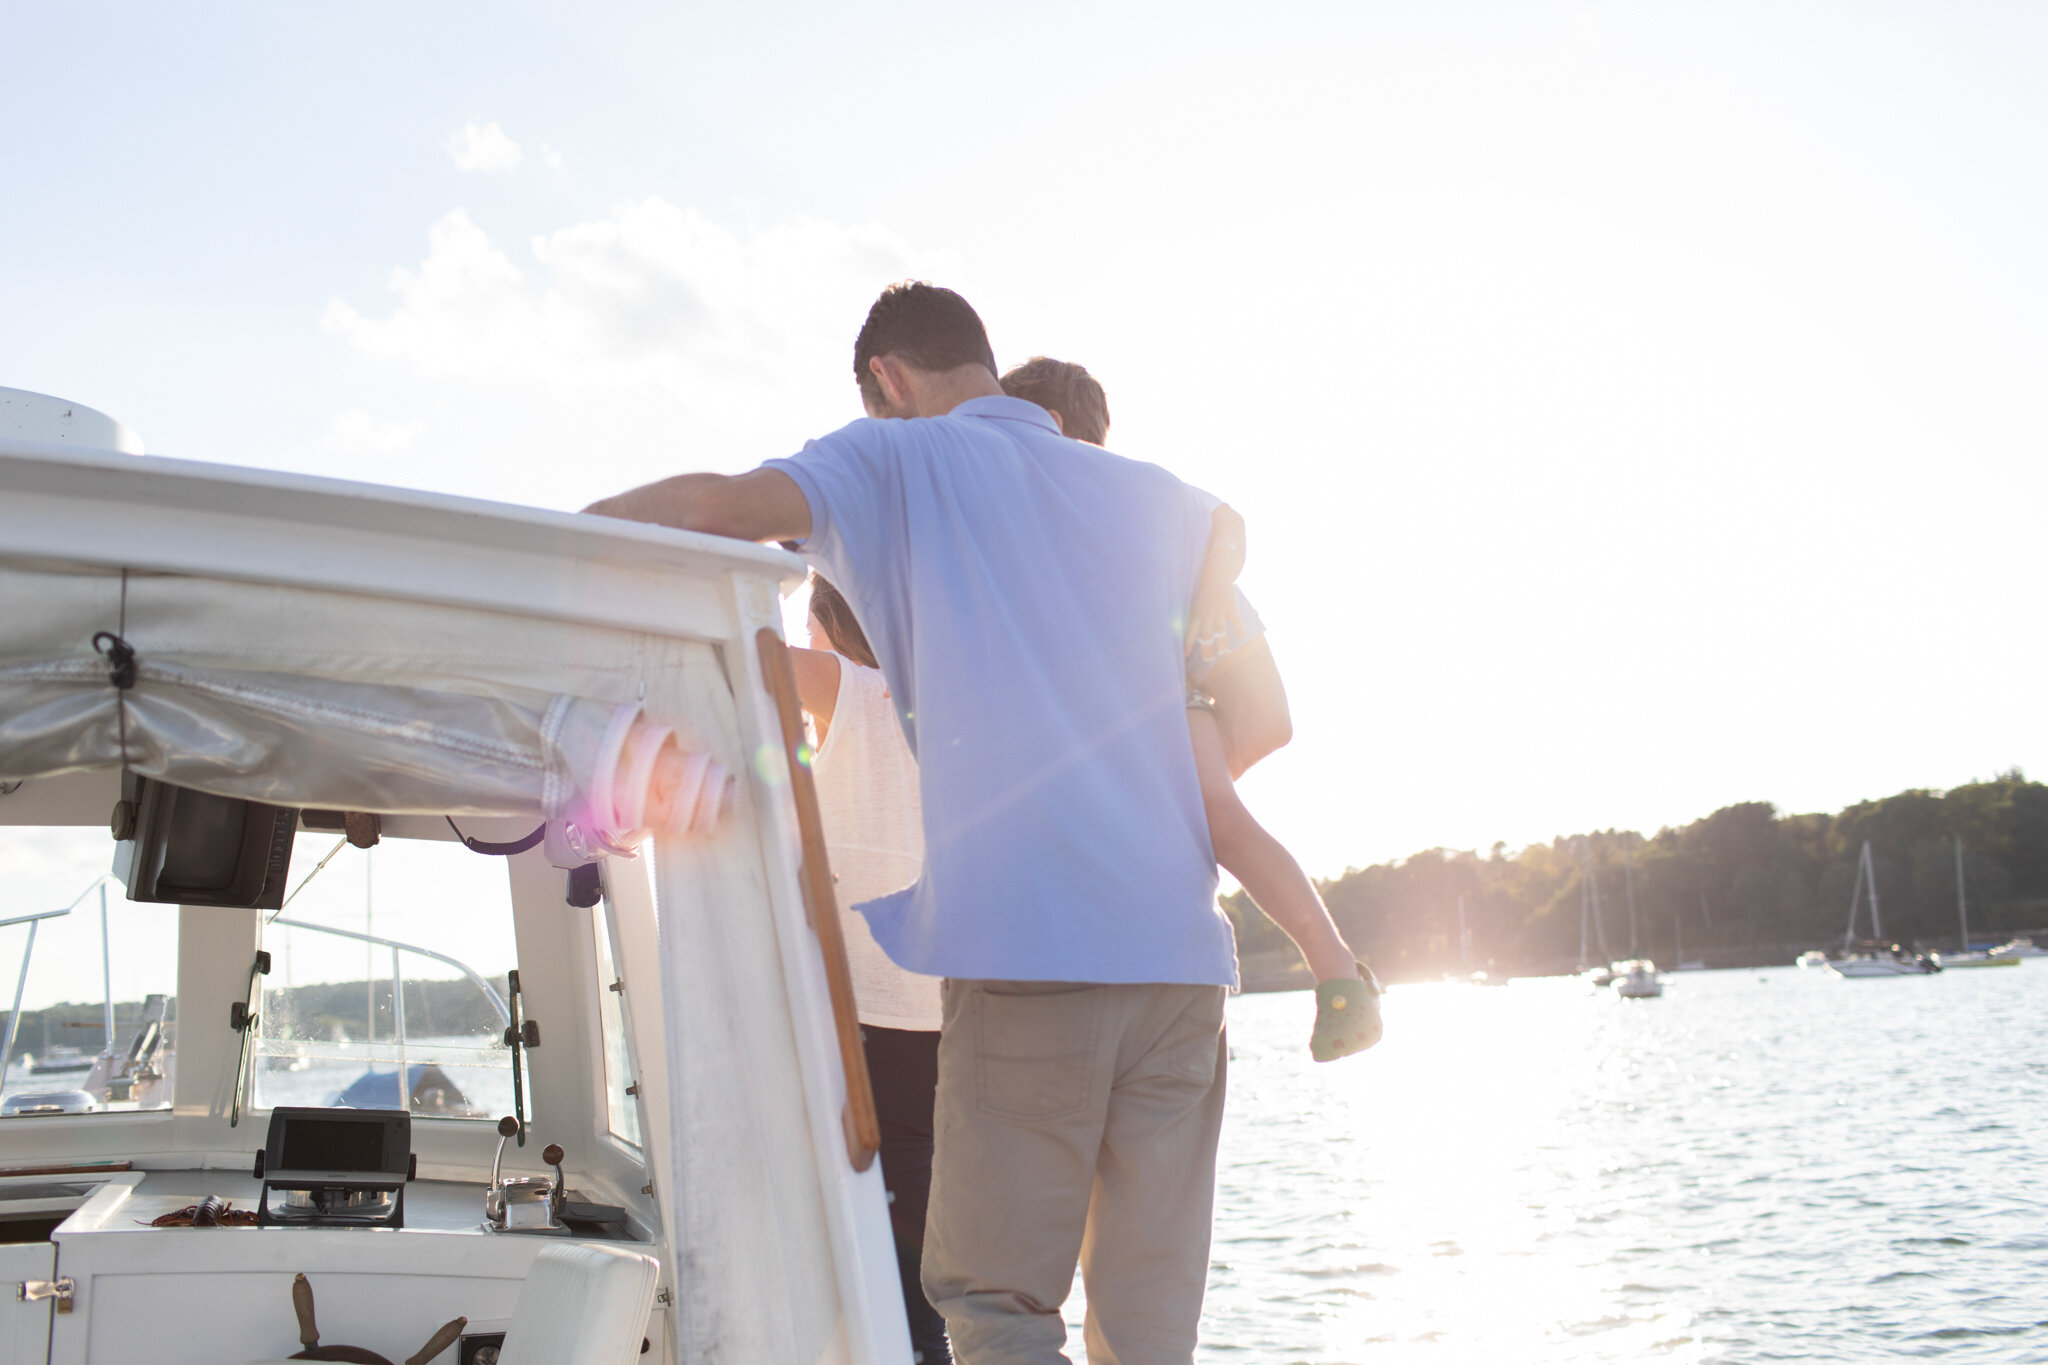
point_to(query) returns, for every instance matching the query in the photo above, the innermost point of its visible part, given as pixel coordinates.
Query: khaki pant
(1075, 1123)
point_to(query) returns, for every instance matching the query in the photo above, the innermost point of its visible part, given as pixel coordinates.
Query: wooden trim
(88, 1168)
(821, 907)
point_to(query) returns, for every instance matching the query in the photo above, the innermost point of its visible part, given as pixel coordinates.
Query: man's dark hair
(1065, 388)
(828, 605)
(923, 325)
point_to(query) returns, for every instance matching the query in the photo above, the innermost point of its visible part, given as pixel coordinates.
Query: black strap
(498, 850)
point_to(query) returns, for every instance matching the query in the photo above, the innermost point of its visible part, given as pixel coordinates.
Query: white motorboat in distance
(1898, 962)
(1638, 980)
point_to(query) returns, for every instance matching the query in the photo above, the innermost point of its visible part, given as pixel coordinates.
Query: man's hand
(765, 504)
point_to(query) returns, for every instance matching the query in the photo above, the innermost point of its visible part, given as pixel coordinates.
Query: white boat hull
(1877, 966)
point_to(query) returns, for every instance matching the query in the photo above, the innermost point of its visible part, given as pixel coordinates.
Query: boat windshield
(387, 963)
(88, 978)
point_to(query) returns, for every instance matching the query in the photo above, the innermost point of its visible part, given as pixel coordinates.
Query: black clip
(586, 888)
(120, 655)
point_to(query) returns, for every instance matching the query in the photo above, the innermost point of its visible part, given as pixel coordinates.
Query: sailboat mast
(1962, 904)
(1628, 871)
(1855, 898)
(1876, 925)
(1584, 910)
(1599, 929)
(1464, 938)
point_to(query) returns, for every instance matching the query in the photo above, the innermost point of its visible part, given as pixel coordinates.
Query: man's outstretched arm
(765, 504)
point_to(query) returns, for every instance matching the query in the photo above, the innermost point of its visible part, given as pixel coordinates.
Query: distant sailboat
(1589, 914)
(1678, 946)
(1898, 962)
(1967, 958)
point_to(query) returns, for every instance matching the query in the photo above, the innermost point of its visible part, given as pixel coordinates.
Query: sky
(1635, 408)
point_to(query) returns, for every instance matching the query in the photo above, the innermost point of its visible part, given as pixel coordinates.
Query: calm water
(1759, 1166)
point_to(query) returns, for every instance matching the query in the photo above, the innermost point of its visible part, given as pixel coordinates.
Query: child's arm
(1251, 704)
(1347, 998)
(1214, 610)
(1253, 856)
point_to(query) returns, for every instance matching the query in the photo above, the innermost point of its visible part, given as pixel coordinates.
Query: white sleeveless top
(874, 836)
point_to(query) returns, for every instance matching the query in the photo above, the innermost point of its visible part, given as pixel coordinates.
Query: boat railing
(482, 983)
(408, 1054)
(28, 952)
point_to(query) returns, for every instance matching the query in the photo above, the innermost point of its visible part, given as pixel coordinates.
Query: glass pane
(85, 968)
(422, 922)
(623, 1113)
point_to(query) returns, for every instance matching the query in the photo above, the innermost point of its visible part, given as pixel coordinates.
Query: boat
(2019, 947)
(1966, 956)
(1811, 959)
(1637, 980)
(1591, 929)
(637, 1133)
(1891, 960)
(1678, 947)
(1898, 963)
(1953, 961)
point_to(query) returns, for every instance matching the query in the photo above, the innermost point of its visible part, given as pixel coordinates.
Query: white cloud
(484, 147)
(354, 433)
(652, 300)
(550, 157)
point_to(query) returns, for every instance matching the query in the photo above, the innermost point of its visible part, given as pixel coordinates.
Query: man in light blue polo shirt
(1026, 596)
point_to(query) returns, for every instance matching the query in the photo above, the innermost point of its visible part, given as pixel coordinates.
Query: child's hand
(1212, 618)
(1347, 1016)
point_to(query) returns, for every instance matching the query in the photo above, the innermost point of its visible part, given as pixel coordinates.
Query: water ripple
(1825, 1170)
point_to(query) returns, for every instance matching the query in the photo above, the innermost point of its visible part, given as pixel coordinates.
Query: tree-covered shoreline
(1742, 886)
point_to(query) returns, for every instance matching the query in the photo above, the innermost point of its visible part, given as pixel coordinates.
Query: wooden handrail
(821, 906)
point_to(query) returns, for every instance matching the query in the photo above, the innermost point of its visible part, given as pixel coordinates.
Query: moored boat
(1898, 962)
(1638, 980)
(253, 677)
(1953, 961)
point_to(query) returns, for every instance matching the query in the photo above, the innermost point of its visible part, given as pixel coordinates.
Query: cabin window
(88, 980)
(388, 978)
(622, 1112)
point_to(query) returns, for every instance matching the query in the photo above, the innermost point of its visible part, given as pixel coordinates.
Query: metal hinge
(33, 1291)
(664, 1297)
(633, 1089)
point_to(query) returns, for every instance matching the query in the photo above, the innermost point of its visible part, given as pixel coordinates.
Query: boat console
(335, 1168)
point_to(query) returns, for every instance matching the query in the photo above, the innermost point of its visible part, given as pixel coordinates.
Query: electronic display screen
(332, 1144)
(203, 848)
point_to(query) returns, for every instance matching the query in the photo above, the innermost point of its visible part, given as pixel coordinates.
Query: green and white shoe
(1347, 1016)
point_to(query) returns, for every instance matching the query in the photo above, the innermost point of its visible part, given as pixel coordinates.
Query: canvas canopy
(315, 643)
(318, 699)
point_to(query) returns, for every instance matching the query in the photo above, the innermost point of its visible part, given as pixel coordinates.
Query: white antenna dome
(26, 416)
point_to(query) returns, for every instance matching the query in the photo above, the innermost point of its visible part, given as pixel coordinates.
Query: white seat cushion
(583, 1303)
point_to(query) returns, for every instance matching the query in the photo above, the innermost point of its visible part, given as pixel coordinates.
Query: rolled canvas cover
(296, 697)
